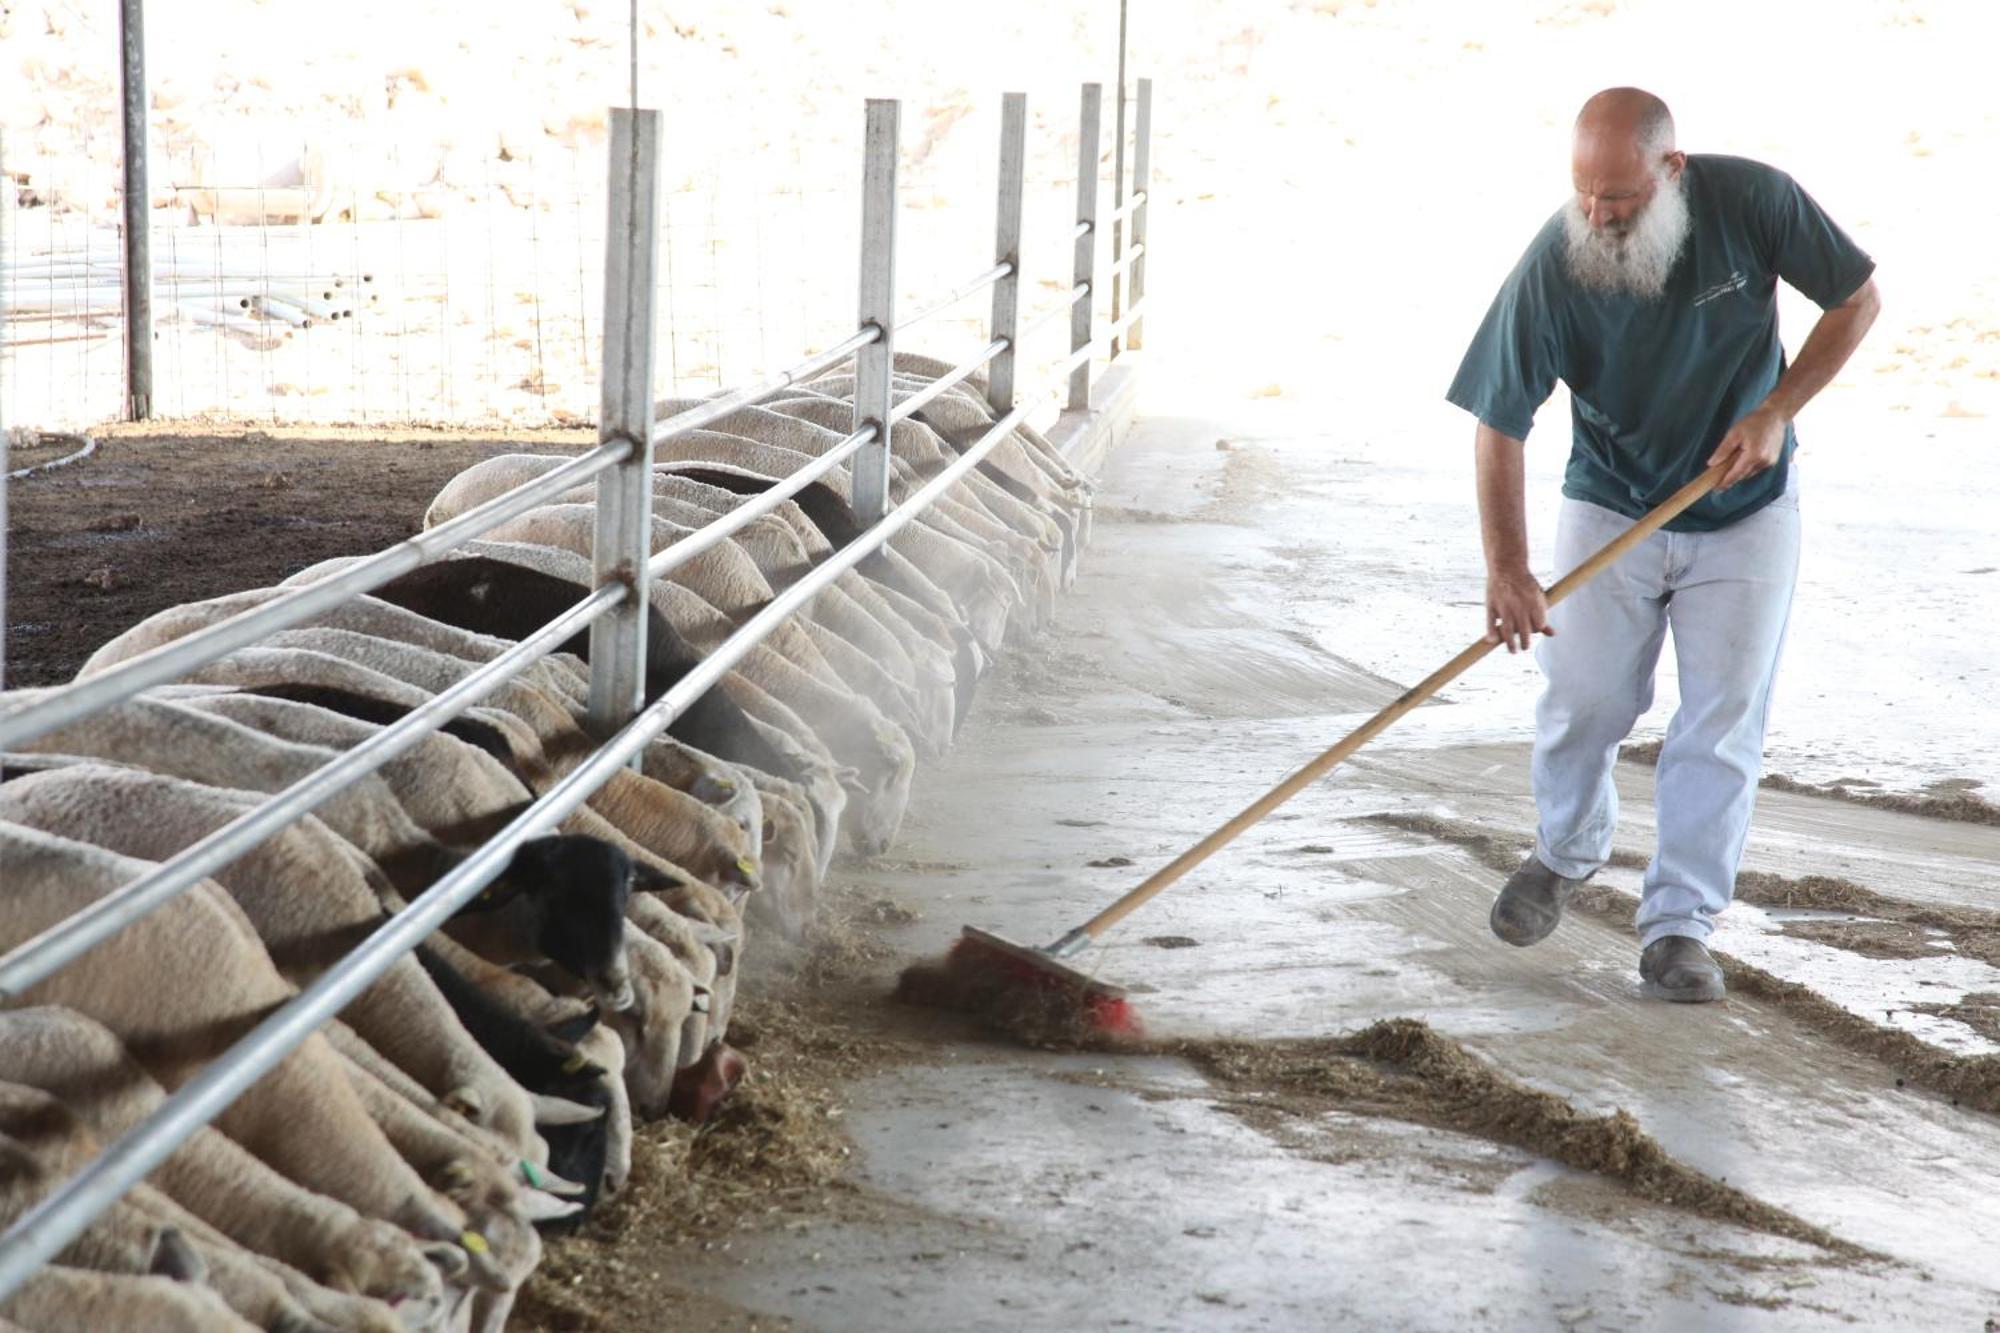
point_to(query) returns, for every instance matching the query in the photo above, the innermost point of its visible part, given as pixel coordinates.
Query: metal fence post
(1086, 242)
(1007, 250)
(875, 363)
(1142, 157)
(138, 215)
(623, 541)
(1118, 188)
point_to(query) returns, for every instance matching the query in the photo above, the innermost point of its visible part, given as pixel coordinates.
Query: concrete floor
(1011, 1189)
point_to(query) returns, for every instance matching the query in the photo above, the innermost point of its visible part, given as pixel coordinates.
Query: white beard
(1638, 260)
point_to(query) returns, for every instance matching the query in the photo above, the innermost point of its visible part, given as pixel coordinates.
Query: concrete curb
(1086, 439)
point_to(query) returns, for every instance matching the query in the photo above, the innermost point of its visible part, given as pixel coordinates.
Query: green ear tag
(530, 1174)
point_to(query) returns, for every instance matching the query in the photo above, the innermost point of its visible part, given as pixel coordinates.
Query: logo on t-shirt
(1735, 282)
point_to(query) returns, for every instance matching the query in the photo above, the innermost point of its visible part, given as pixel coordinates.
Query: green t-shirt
(1656, 383)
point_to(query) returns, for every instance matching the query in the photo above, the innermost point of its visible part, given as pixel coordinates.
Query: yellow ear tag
(473, 1242)
(575, 1064)
(746, 865)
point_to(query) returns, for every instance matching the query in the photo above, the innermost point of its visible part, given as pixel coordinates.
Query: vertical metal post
(1142, 158)
(1118, 188)
(623, 541)
(138, 216)
(1086, 243)
(874, 363)
(1007, 250)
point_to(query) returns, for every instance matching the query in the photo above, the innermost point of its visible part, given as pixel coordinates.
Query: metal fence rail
(614, 612)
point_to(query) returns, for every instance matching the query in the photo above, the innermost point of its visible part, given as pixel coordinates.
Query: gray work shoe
(1679, 968)
(1530, 903)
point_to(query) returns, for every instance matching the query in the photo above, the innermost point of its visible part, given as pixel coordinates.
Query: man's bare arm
(1754, 443)
(1516, 608)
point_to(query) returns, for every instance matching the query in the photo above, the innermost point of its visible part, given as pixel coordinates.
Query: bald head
(1624, 150)
(1631, 119)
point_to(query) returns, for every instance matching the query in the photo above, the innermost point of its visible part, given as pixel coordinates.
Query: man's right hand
(1516, 609)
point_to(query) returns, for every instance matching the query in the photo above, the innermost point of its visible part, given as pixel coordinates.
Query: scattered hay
(1967, 1080)
(1979, 1011)
(1641, 752)
(1405, 1069)
(1960, 806)
(1951, 799)
(1971, 1081)
(1885, 940)
(775, 1146)
(1973, 931)
(1495, 851)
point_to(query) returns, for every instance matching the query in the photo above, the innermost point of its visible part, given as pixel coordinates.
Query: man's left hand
(1752, 445)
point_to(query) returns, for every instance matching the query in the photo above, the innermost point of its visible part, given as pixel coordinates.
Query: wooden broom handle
(1376, 725)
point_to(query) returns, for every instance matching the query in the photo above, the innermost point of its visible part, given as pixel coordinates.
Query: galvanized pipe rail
(35, 960)
(944, 303)
(628, 433)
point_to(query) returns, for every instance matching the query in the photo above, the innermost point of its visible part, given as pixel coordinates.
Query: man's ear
(1676, 163)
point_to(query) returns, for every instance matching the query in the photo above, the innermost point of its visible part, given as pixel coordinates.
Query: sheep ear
(538, 1206)
(651, 879)
(574, 1029)
(456, 1181)
(175, 1256)
(449, 1260)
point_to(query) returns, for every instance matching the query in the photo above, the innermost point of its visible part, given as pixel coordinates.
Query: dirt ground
(157, 518)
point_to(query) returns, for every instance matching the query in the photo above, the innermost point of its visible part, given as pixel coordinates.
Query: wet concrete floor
(1019, 1189)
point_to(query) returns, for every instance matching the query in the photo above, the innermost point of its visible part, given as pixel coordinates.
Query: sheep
(1035, 447)
(512, 595)
(850, 625)
(725, 579)
(667, 760)
(302, 1117)
(893, 590)
(826, 521)
(547, 1044)
(851, 725)
(177, 739)
(954, 579)
(847, 619)
(690, 503)
(983, 595)
(460, 794)
(978, 510)
(171, 738)
(510, 589)
(86, 1067)
(43, 1142)
(308, 903)
(457, 790)
(61, 1299)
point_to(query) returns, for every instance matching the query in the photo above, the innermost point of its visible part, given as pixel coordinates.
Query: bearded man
(1652, 294)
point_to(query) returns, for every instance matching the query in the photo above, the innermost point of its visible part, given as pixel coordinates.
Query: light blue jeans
(1726, 595)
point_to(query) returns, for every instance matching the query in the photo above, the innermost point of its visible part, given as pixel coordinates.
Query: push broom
(994, 975)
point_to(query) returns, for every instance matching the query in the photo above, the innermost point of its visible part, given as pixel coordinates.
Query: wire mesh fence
(336, 284)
